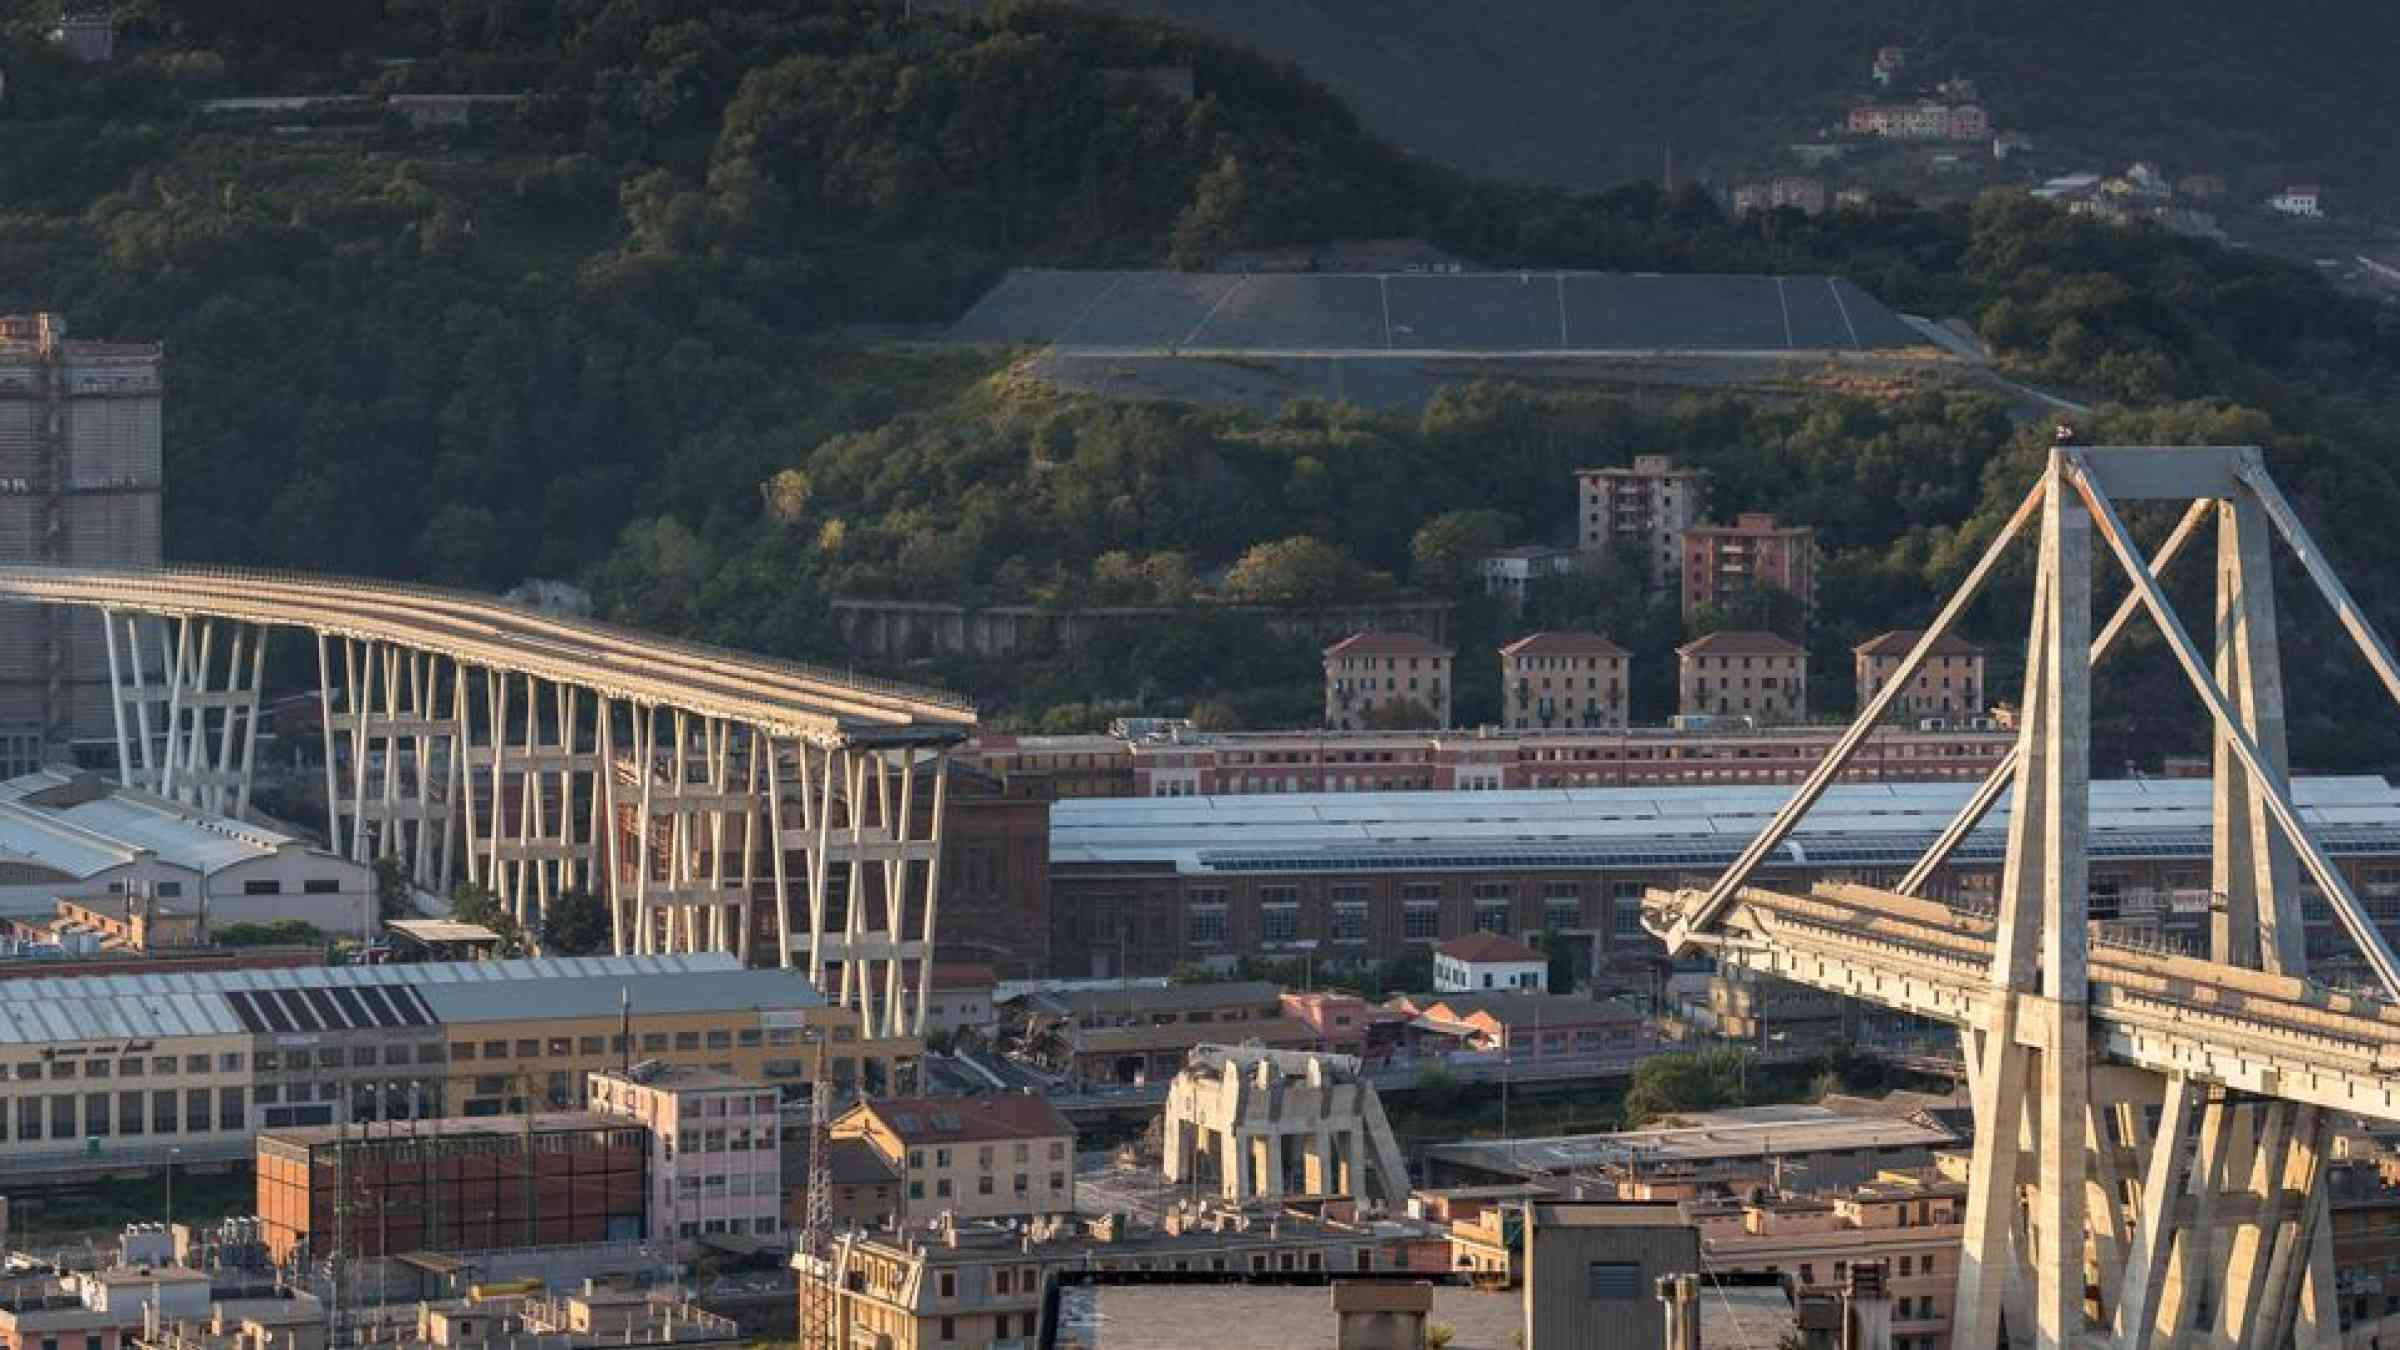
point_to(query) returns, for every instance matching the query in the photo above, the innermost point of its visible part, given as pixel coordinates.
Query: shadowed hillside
(1591, 92)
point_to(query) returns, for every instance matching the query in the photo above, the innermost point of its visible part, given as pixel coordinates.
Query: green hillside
(595, 334)
(1592, 92)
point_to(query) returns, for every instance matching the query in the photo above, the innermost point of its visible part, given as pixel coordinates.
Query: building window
(1421, 920)
(320, 886)
(1613, 1280)
(262, 888)
(1491, 918)
(1204, 924)
(1278, 922)
(1350, 921)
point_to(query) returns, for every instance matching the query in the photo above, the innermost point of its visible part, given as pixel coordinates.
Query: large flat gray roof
(721, 991)
(243, 1002)
(1650, 828)
(423, 974)
(1732, 1135)
(1432, 313)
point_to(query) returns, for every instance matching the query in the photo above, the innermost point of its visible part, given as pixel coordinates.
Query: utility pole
(816, 1226)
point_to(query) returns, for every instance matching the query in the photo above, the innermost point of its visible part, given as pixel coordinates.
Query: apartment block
(1911, 1221)
(1751, 675)
(1948, 685)
(716, 1150)
(1564, 680)
(1647, 505)
(1722, 564)
(1377, 679)
(80, 485)
(999, 1155)
(981, 1285)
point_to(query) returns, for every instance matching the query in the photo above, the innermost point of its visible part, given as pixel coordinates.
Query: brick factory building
(452, 1184)
(1189, 763)
(1347, 877)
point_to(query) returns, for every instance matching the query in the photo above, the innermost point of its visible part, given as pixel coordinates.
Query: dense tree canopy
(604, 336)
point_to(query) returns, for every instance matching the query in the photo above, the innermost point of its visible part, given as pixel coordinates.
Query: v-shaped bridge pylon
(2151, 1130)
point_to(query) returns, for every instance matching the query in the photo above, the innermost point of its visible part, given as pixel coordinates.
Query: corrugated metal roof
(1644, 826)
(244, 1002)
(486, 1001)
(427, 975)
(82, 837)
(115, 1017)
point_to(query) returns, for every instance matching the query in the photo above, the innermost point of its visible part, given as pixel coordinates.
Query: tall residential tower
(79, 484)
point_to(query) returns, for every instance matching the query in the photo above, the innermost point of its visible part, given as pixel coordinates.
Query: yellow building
(1949, 685)
(1575, 681)
(129, 1066)
(747, 1023)
(999, 1155)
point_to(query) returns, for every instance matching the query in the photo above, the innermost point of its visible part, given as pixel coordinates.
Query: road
(1924, 1057)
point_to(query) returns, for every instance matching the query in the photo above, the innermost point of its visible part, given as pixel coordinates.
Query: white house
(1510, 571)
(2300, 199)
(1481, 962)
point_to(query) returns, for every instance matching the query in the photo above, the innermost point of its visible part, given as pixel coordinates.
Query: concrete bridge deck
(2274, 1035)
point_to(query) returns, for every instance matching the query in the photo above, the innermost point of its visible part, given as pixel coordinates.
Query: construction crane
(817, 1299)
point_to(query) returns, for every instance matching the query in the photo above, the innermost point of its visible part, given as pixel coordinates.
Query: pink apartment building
(716, 1148)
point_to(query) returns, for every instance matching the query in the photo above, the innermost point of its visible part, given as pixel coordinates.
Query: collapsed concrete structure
(1271, 1123)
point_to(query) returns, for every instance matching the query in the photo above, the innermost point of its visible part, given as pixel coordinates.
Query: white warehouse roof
(1861, 824)
(80, 825)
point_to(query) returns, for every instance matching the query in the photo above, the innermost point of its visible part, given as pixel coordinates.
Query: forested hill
(591, 335)
(1592, 92)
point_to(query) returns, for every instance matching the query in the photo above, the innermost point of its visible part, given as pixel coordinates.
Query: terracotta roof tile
(1899, 640)
(1373, 643)
(1554, 643)
(1741, 643)
(995, 1115)
(1487, 947)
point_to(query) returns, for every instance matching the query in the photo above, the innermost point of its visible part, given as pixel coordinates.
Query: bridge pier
(192, 737)
(2175, 1196)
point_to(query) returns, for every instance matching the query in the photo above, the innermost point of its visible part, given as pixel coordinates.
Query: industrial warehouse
(126, 1067)
(1162, 882)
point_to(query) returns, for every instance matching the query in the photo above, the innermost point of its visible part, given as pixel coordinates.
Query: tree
(1700, 1081)
(470, 903)
(577, 924)
(1302, 571)
(283, 932)
(394, 895)
(1399, 714)
(1566, 956)
(1447, 549)
(786, 496)
(1214, 224)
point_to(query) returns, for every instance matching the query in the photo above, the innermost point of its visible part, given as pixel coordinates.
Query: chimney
(1866, 1309)
(1681, 1294)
